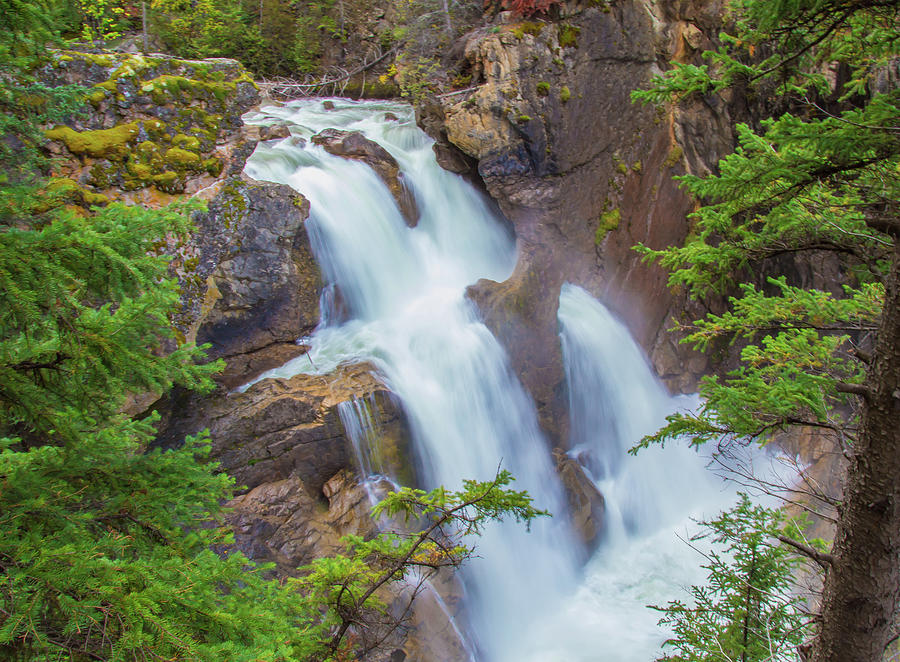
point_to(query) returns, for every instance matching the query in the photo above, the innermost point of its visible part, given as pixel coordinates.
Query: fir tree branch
(854, 389)
(822, 558)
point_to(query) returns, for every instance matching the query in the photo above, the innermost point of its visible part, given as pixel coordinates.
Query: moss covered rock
(158, 121)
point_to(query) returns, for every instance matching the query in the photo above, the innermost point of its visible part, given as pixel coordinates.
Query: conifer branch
(822, 558)
(854, 389)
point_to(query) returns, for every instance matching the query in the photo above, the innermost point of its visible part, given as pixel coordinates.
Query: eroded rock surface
(586, 504)
(261, 280)
(583, 174)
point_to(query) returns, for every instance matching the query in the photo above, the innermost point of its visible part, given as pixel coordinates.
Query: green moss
(609, 221)
(91, 198)
(167, 181)
(182, 159)
(213, 166)
(71, 191)
(675, 155)
(533, 28)
(636, 167)
(543, 89)
(147, 148)
(100, 59)
(103, 174)
(621, 168)
(210, 121)
(102, 143)
(96, 98)
(565, 94)
(111, 86)
(568, 36)
(140, 171)
(190, 143)
(522, 119)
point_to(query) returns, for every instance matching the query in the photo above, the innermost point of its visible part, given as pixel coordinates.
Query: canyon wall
(582, 173)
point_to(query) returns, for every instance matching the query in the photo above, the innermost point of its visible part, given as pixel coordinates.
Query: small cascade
(362, 429)
(615, 400)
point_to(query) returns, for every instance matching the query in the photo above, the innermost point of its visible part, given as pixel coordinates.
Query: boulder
(354, 145)
(586, 503)
(160, 126)
(279, 428)
(280, 522)
(277, 132)
(254, 287)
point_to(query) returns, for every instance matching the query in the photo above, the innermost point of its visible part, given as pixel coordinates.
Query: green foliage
(270, 37)
(84, 316)
(422, 31)
(416, 76)
(26, 26)
(823, 182)
(746, 610)
(801, 39)
(102, 19)
(351, 586)
(105, 554)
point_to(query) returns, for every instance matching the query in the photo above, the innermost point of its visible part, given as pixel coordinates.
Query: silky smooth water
(405, 292)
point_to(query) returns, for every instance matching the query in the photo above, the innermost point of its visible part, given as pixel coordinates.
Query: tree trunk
(447, 23)
(144, 24)
(863, 584)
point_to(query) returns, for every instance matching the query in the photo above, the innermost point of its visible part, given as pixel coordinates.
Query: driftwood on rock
(332, 83)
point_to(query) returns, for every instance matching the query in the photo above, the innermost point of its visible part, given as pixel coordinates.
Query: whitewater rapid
(527, 596)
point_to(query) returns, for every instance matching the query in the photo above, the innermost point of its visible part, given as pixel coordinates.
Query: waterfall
(405, 292)
(406, 312)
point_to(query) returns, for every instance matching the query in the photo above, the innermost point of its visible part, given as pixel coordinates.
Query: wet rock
(586, 504)
(277, 132)
(582, 174)
(354, 145)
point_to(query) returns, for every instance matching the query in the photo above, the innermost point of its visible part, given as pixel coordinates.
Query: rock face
(582, 173)
(160, 126)
(354, 145)
(164, 127)
(262, 282)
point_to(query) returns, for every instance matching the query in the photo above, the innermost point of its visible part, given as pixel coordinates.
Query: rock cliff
(582, 173)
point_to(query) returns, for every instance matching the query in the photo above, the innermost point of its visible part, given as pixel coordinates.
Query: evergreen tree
(746, 611)
(824, 178)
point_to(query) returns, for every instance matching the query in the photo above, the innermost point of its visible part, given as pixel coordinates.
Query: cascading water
(404, 290)
(614, 400)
